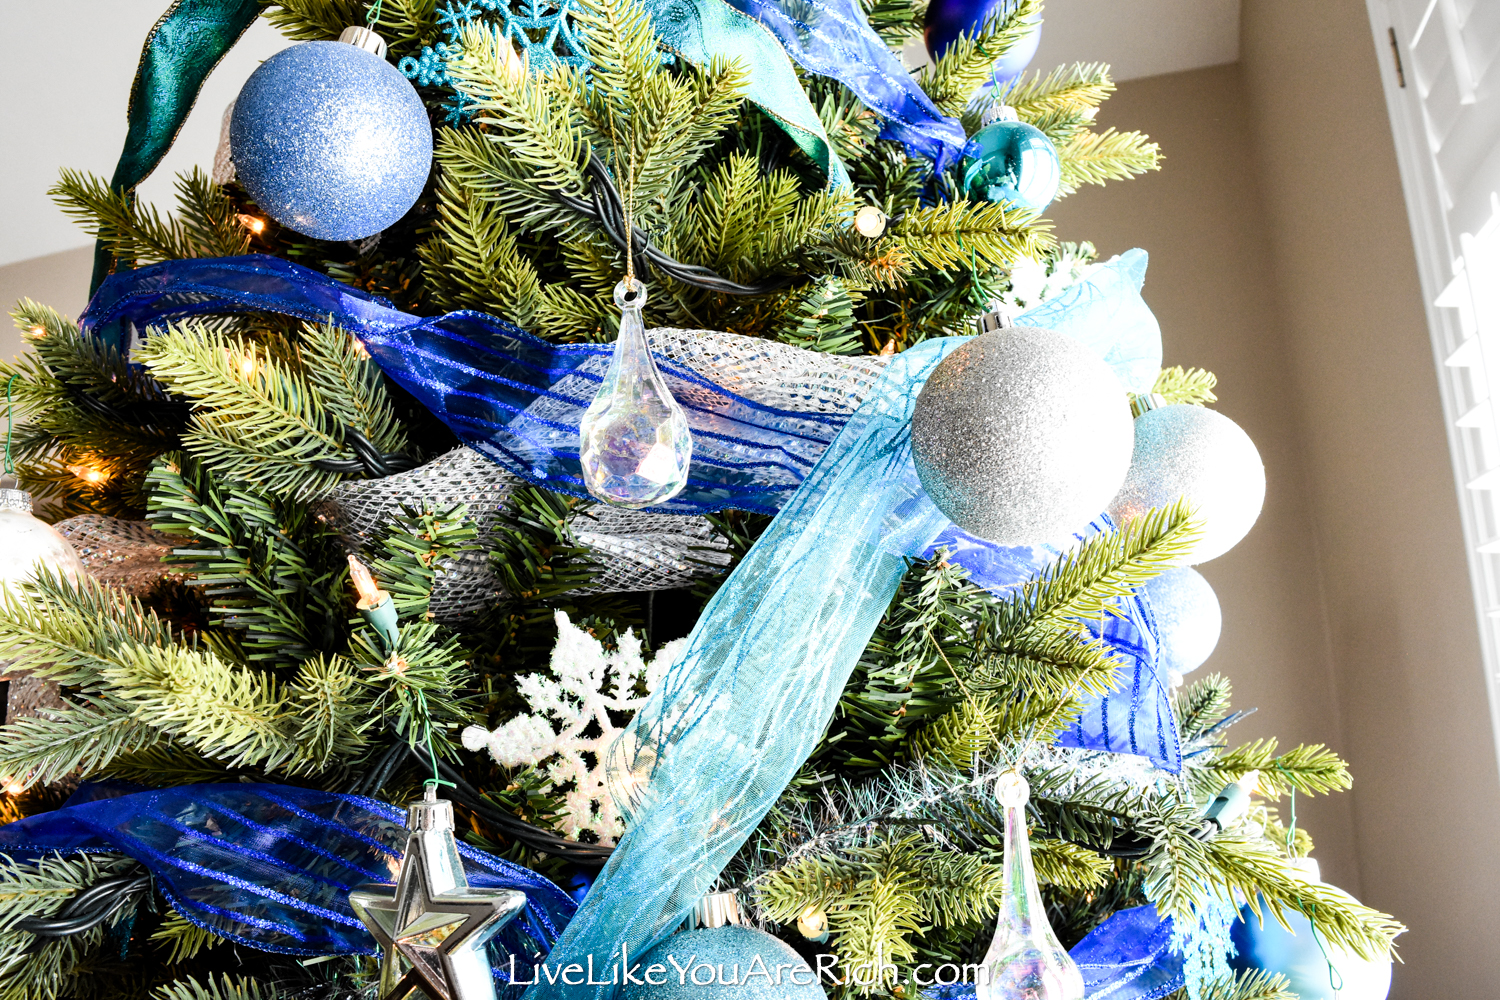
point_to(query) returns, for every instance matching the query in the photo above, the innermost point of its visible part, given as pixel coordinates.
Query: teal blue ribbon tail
(183, 47)
(699, 30)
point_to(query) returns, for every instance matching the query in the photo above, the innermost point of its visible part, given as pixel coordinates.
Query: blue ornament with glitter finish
(1011, 161)
(949, 19)
(330, 140)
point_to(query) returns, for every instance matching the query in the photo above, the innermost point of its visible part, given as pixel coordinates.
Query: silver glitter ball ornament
(330, 140)
(1198, 453)
(1188, 618)
(1021, 435)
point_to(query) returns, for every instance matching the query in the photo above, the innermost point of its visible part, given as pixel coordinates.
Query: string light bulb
(254, 223)
(375, 604)
(93, 475)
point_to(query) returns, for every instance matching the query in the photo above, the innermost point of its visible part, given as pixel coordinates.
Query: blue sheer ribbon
(518, 399)
(270, 866)
(833, 38)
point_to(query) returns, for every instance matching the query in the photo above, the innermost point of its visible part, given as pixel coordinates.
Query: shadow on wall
(59, 280)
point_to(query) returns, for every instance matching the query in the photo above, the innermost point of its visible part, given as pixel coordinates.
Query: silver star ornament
(432, 927)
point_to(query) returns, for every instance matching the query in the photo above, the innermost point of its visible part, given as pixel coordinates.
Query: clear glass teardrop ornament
(634, 440)
(1025, 960)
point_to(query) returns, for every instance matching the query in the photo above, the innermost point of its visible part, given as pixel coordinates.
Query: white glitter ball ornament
(1188, 618)
(1022, 435)
(30, 544)
(1198, 453)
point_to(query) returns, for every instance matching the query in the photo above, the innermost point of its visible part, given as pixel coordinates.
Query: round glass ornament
(1313, 971)
(1198, 453)
(31, 544)
(948, 19)
(331, 140)
(726, 962)
(1188, 618)
(1011, 161)
(1021, 435)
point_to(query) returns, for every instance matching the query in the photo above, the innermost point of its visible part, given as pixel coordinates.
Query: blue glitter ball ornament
(1010, 161)
(1188, 618)
(729, 961)
(1315, 973)
(948, 19)
(330, 140)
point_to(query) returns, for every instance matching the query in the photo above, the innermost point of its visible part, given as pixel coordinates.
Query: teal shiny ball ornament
(729, 961)
(330, 140)
(1299, 958)
(1012, 162)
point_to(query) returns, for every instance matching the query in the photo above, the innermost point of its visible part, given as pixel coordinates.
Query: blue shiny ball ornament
(1188, 618)
(722, 962)
(947, 19)
(1298, 957)
(330, 140)
(1011, 161)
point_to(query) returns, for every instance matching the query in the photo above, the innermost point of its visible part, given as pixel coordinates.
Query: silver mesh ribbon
(124, 554)
(637, 550)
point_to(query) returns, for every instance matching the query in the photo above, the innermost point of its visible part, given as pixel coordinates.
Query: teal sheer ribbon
(183, 47)
(745, 704)
(699, 30)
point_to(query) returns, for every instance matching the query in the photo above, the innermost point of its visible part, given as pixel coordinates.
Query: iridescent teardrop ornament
(634, 440)
(1025, 960)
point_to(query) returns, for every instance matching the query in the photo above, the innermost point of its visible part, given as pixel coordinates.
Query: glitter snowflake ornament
(570, 724)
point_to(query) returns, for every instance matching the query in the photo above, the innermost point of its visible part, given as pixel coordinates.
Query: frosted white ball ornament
(1197, 453)
(1188, 618)
(1022, 435)
(29, 544)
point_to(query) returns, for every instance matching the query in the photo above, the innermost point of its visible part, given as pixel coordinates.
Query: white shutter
(1440, 64)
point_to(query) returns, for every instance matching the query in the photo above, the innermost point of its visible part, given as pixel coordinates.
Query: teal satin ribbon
(184, 46)
(699, 30)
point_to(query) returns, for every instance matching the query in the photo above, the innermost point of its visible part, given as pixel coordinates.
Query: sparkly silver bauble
(1021, 435)
(721, 959)
(30, 544)
(432, 928)
(331, 140)
(1198, 453)
(1188, 619)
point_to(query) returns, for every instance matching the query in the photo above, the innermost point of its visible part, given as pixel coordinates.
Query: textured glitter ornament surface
(634, 442)
(30, 544)
(1188, 618)
(725, 962)
(1265, 944)
(1009, 161)
(1021, 436)
(1198, 453)
(330, 141)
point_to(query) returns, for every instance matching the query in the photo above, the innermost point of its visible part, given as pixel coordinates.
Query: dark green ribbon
(184, 46)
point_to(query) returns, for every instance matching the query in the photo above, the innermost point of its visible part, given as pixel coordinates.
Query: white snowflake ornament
(587, 684)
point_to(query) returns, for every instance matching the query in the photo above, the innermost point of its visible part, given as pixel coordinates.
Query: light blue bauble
(1011, 162)
(1298, 957)
(1188, 619)
(330, 140)
(707, 959)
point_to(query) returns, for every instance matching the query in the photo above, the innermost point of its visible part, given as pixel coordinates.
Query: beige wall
(1281, 259)
(59, 280)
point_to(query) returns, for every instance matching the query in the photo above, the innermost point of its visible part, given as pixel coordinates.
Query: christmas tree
(344, 527)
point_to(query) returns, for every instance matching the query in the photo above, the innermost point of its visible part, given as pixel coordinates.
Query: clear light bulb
(29, 544)
(634, 440)
(1025, 960)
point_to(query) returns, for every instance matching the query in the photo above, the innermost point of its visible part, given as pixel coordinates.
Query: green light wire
(1335, 978)
(374, 15)
(10, 423)
(437, 778)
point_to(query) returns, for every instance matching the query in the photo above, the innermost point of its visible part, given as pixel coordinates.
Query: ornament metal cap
(364, 38)
(999, 113)
(997, 318)
(15, 500)
(1147, 401)
(718, 909)
(432, 814)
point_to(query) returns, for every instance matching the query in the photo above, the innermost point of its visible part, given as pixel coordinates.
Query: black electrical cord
(89, 908)
(368, 459)
(588, 855)
(607, 209)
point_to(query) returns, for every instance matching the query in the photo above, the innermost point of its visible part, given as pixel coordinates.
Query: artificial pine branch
(1186, 385)
(1098, 157)
(968, 61)
(182, 940)
(225, 988)
(208, 224)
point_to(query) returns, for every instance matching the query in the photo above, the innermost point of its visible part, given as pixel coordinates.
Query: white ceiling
(65, 103)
